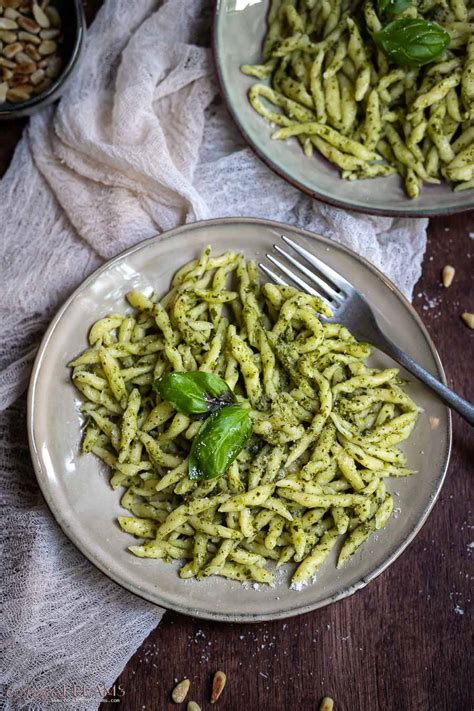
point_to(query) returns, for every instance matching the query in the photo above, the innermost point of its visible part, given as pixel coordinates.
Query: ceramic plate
(239, 29)
(76, 486)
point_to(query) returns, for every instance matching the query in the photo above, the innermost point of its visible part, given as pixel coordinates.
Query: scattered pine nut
(327, 704)
(180, 691)
(447, 275)
(468, 319)
(193, 706)
(218, 684)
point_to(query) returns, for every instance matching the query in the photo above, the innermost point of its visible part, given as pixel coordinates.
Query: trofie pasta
(377, 87)
(324, 426)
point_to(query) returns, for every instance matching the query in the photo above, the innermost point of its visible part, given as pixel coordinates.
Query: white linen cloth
(139, 144)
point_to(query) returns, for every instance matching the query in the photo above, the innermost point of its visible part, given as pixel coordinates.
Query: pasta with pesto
(326, 81)
(325, 426)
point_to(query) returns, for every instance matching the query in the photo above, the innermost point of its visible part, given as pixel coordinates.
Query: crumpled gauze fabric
(139, 144)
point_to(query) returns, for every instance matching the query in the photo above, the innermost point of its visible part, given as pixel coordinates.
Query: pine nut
(26, 68)
(28, 37)
(6, 63)
(447, 275)
(7, 74)
(32, 52)
(7, 24)
(45, 84)
(12, 49)
(11, 13)
(53, 16)
(18, 94)
(26, 23)
(468, 319)
(47, 47)
(54, 67)
(49, 34)
(7, 36)
(37, 77)
(180, 691)
(41, 18)
(21, 57)
(218, 684)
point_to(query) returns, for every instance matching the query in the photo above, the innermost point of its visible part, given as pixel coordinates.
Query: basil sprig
(220, 439)
(392, 7)
(412, 42)
(226, 430)
(194, 393)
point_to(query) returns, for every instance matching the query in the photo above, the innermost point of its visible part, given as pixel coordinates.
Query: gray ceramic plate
(76, 487)
(239, 29)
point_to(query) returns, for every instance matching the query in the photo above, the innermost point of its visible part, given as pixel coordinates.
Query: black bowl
(73, 27)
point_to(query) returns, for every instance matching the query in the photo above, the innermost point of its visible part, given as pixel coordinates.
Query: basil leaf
(392, 7)
(220, 439)
(194, 393)
(412, 42)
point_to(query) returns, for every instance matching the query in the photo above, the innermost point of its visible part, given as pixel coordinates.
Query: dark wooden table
(402, 643)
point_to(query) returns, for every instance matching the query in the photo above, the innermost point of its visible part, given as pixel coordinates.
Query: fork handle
(463, 407)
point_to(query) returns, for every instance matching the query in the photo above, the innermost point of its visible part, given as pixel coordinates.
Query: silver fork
(351, 309)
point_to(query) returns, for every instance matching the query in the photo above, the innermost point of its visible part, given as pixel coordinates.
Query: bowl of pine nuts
(40, 45)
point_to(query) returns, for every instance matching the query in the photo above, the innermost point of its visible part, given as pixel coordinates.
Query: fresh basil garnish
(226, 430)
(194, 393)
(221, 437)
(412, 42)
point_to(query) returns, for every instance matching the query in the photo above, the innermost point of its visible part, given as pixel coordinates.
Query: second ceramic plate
(76, 486)
(239, 29)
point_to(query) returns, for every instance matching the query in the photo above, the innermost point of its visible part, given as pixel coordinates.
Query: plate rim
(62, 521)
(282, 173)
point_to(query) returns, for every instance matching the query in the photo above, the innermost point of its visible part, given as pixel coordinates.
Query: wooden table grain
(400, 644)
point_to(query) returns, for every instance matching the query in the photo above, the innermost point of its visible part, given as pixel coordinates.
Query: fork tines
(333, 289)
